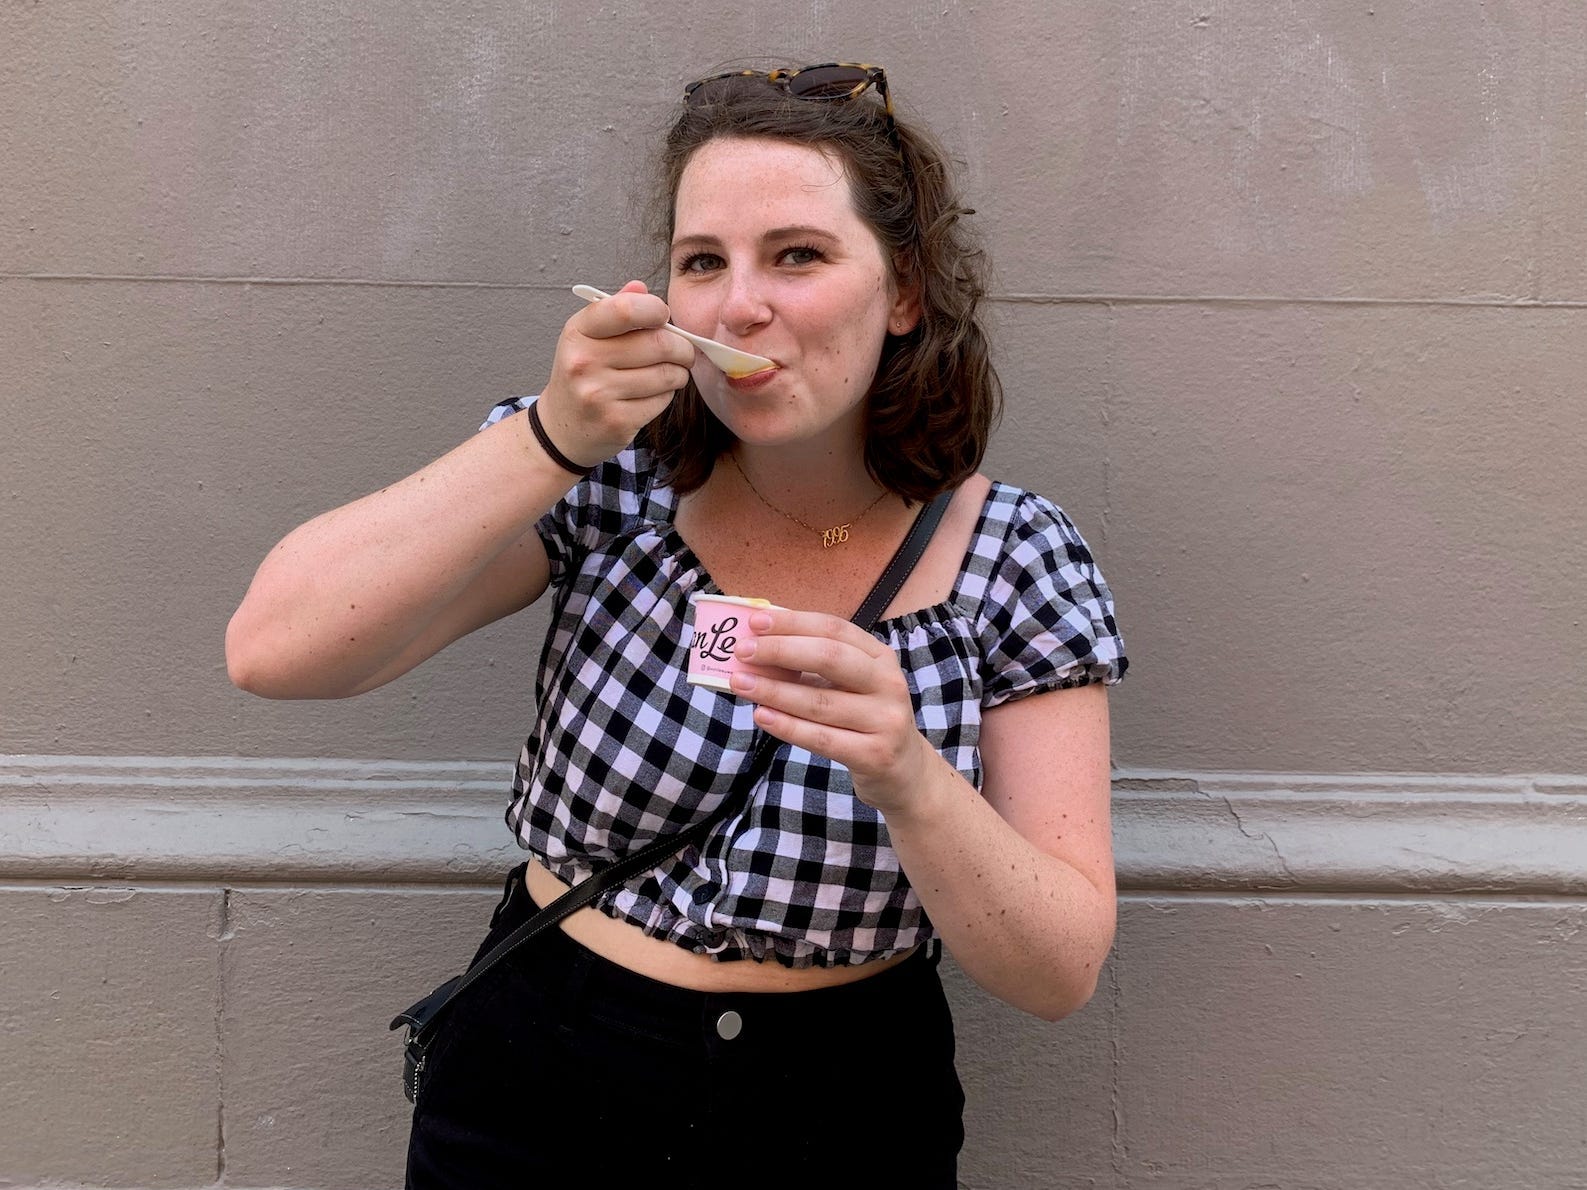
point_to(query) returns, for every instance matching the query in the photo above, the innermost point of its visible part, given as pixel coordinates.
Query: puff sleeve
(1046, 619)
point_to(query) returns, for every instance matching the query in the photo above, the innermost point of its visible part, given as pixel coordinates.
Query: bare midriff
(628, 946)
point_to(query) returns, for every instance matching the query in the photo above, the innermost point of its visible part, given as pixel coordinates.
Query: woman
(764, 1008)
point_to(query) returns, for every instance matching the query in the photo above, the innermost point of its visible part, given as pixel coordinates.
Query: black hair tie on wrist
(557, 457)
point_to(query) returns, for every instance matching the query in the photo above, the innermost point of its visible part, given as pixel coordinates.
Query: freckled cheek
(691, 317)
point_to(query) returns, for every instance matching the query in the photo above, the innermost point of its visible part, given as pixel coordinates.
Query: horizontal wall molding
(1317, 832)
(233, 820)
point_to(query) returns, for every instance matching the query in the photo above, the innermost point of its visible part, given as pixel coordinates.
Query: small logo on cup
(714, 644)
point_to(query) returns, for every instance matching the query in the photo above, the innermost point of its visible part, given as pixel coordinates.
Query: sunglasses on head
(829, 80)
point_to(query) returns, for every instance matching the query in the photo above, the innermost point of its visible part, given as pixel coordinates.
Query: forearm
(340, 596)
(1025, 925)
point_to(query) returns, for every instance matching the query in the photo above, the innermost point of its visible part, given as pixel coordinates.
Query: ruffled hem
(657, 919)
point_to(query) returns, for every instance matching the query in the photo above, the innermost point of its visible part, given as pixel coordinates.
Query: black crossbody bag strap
(422, 1016)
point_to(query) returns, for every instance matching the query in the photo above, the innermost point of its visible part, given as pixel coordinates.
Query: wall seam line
(1535, 265)
(223, 937)
(1116, 1064)
(1109, 395)
(1103, 299)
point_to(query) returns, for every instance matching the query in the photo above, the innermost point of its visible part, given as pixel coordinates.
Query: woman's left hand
(853, 705)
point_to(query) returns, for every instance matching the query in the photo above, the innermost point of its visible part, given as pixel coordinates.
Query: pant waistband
(583, 982)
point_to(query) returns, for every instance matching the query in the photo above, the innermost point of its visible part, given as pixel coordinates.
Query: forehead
(732, 182)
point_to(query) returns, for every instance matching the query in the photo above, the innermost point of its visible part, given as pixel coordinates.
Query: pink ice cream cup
(721, 624)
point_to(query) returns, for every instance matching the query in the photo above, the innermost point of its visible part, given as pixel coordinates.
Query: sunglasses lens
(827, 82)
(719, 90)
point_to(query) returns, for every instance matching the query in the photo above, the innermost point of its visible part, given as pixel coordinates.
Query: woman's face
(769, 255)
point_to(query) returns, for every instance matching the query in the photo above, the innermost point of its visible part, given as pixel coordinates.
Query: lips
(754, 380)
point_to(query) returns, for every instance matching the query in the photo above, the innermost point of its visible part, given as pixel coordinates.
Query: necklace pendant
(836, 535)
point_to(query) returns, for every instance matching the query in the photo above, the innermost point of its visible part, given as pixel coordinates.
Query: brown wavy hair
(936, 396)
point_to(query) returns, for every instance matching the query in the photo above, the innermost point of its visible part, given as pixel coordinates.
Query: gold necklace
(836, 535)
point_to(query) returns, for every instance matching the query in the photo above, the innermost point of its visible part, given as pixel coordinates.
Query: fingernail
(746, 648)
(760, 621)
(742, 682)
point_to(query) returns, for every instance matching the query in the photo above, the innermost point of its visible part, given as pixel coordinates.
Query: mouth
(753, 380)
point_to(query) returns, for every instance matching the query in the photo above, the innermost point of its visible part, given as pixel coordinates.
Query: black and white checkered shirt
(623, 750)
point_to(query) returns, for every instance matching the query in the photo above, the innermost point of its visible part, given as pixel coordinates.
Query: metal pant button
(729, 1025)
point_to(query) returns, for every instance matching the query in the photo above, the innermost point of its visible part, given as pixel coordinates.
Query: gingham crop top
(623, 750)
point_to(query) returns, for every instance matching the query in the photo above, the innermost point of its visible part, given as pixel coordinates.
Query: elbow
(248, 663)
(1050, 999)
(1066, 1000)
(242, 661)
(1072, 987)
(260, 664)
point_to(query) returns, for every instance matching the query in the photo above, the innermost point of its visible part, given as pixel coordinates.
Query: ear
(904, 315)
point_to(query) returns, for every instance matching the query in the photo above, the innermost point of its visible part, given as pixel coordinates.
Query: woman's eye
(699, 262)
(801, 255)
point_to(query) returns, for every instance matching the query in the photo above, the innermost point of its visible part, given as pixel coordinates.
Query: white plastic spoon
(731, 360)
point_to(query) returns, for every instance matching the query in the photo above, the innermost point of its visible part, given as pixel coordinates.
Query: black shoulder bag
(420, 1018)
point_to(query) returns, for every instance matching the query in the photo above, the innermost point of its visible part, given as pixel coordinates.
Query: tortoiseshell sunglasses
(829, 80)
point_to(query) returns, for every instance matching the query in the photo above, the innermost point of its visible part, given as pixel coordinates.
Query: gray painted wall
(1292, 312)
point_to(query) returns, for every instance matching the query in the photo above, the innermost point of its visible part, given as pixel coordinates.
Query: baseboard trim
(233, 820)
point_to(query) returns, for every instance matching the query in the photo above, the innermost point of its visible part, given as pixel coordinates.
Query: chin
(748, 419)
(760, 432)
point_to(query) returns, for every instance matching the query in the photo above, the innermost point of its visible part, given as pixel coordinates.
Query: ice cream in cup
(721, 625)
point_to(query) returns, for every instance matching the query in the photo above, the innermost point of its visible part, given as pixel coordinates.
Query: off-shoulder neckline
(949, 608)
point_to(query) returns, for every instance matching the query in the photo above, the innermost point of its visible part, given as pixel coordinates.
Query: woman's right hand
(615, 371)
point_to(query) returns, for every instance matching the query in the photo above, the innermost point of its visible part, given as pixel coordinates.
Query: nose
(744, 303)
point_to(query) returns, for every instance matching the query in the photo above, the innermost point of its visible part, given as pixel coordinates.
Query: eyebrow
(776, 233)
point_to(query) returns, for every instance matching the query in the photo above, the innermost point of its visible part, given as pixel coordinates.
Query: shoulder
(1014, 516)
(1016, 532)
(1022, 535)
(1043, 611)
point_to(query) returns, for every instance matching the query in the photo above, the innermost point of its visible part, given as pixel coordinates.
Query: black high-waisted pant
(559, 1068)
